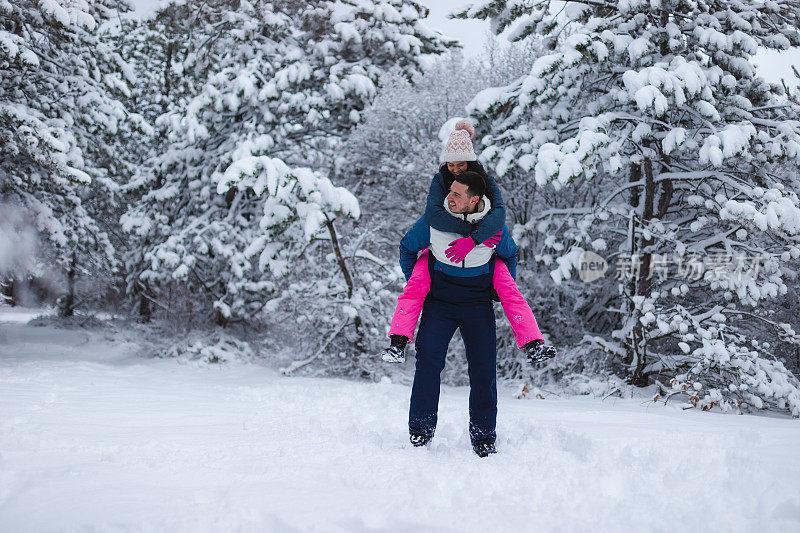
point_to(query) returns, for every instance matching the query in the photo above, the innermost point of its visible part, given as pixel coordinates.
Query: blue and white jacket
(477, 262)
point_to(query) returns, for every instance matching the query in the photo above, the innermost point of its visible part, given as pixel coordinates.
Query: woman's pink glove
(459, 249)
(494, 240)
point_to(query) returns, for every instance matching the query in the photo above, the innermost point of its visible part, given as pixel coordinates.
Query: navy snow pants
(440, 320)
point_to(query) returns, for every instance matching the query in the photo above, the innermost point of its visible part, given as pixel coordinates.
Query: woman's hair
(472, 166)
(476, 185)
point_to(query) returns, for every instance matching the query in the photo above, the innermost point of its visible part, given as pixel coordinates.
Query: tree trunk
(339, 258)
(644, 282)
(361, 341)
(647, 215)
(665, 200)
(167, 76)
(664, 44)
(8, 292)
(643, 202)
(68, 309)
(145, 308)
(632, 313)
(220, 319)
(641, 282)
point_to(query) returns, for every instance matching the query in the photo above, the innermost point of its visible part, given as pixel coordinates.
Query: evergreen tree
(229, 206)
(59, 116)
(167, 77)
(663, 148)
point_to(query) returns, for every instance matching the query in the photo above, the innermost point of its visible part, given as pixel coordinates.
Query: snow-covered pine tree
(648, 117)
(59, 114)
(229, 206)
(172, 53)
(158, 49)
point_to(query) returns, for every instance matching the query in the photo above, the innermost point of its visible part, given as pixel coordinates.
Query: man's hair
(476, 185)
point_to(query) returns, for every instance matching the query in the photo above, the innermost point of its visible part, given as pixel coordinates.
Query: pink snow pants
(518, 312)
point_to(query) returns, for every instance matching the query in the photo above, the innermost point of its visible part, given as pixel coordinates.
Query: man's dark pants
(440, 319)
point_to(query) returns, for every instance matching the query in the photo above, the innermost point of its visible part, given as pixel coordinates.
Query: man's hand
(494, 240)
(459, 249)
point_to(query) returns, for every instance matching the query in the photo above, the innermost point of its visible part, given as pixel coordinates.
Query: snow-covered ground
(94, 438)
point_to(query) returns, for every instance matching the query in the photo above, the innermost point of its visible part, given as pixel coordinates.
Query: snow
(674, 138)
(650, 97)
(52, 9)
(18, 241)
(21, 315)
(638, 47)
(93, 437)
(488, 98)
(9, 44)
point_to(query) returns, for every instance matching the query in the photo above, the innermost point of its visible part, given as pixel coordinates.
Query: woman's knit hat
(459, 145)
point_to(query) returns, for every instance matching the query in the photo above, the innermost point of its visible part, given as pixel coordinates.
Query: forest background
(233, 178)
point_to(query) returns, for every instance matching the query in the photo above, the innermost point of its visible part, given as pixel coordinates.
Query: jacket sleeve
(415, 240)
(436, 215)
(494, 219)
(507, 251)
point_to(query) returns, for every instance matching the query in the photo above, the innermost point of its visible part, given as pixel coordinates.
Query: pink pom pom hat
(459, 144)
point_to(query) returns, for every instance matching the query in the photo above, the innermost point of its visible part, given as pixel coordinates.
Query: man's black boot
(396, 353)
(538, 352)
(483, 449)
(419, 440)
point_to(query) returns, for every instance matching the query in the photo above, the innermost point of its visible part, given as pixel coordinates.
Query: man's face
(459, 199)
(456, 167)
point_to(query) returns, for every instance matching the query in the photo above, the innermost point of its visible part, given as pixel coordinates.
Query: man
(460, 297)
